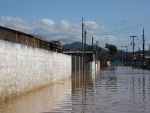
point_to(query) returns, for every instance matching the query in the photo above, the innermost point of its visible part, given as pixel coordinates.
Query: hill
(76, 46)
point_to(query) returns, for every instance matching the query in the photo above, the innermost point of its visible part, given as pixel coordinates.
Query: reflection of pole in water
(133, 86)
(84, 94)
(133, 67)
(143, 87)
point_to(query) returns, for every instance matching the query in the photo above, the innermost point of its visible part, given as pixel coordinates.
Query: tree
(112, 49)
(89, 48)
(96, 50)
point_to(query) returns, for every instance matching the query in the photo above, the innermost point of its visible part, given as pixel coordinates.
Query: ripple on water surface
(110, 90)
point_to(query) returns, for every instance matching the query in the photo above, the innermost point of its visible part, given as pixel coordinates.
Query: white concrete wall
(23, 68)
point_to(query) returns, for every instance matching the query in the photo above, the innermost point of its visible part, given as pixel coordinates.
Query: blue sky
(108, 21)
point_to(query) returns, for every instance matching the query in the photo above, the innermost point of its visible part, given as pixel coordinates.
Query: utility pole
(149, 48)
(96, 48)
(85, 60)
(82, 37)
(85, 43)
(92, 49)
(82, 48)
(92, 45)
(96, 55)
(133, 45)
(143, 50)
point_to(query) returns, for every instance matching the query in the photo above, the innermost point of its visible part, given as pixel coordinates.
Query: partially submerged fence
(77, 67)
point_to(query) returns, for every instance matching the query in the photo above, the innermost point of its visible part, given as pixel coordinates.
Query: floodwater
(110, 90)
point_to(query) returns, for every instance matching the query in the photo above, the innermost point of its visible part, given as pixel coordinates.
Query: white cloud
(45, 28)
(65, 24)
(93, 25)
(15, 22)
(64, 31)
(45, 22)
(104, 38)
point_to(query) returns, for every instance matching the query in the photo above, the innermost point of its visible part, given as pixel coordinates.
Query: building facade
(16, 36)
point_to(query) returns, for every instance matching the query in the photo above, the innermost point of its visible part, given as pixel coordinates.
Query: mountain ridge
(75, 46)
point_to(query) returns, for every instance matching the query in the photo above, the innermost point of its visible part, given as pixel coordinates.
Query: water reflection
(38, 101)
(110, 90)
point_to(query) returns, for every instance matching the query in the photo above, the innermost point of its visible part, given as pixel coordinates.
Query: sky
(107, 21)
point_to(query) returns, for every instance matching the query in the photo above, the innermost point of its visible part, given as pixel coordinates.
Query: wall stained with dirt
(24, 68)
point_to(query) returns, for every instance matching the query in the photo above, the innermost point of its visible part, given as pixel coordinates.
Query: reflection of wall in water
(39, 101)
(77, 82)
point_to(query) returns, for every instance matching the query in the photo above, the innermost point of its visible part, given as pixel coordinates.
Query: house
(16, 36)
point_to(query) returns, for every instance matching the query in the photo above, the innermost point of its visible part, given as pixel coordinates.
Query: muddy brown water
(110, 90)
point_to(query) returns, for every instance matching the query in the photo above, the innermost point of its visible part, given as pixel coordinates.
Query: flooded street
(110, 90)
